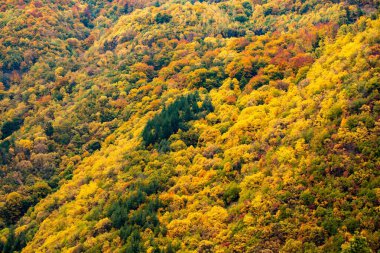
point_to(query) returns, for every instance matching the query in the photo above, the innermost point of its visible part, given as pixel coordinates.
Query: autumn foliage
(189, 126)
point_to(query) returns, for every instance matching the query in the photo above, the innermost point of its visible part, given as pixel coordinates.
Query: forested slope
(233, 126)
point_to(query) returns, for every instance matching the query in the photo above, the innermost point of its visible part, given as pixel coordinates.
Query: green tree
(357, 244)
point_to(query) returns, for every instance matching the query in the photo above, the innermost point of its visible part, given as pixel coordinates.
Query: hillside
(186, 126)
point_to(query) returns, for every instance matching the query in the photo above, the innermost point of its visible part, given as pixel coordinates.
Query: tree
(14, 207)
(49, 129)
(357, 244)
(231, 194)
(9, 245)
(11, 126)
(163, 18)
(174, 117)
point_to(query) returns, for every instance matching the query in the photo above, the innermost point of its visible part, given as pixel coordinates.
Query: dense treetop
(189, 126)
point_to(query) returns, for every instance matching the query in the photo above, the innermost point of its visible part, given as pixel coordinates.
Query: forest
(190, 126)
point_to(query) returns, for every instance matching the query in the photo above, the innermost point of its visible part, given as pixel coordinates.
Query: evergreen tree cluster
(163, 18)
(175, 117)
(11, 126)
(135, 214)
